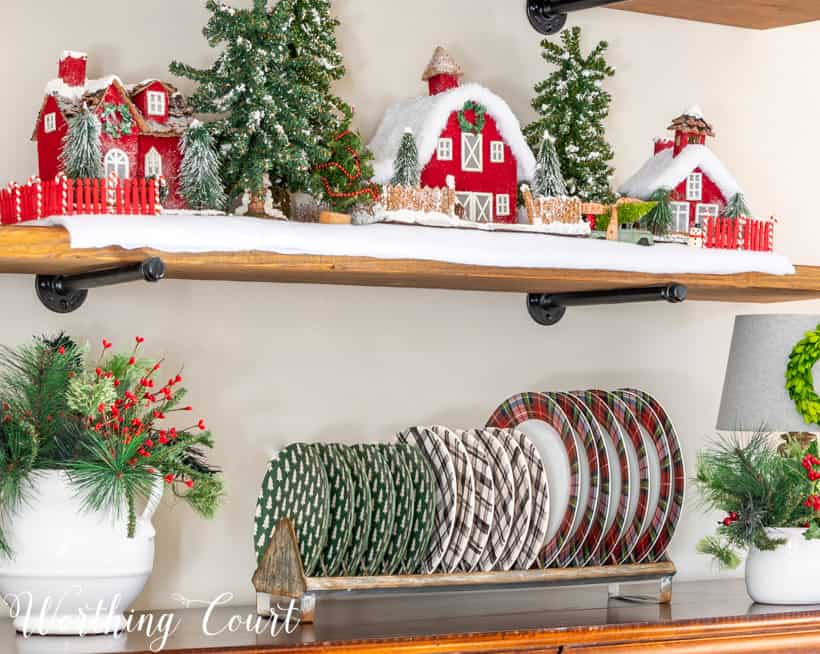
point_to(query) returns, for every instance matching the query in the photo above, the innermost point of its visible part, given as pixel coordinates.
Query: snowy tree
(549, 181)
(737, 207)
(81, 155)
(572, 106)
(406, 166)
(273, 120)
(199, 181)
(659, 219)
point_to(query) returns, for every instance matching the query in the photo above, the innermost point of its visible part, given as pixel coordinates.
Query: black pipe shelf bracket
(549, 16)
(549, 308)
(67, 293)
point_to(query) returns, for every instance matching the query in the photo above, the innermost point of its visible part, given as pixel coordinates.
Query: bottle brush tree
(199, 181)
(343, 179)
(737, 207)
(406, 171)
(572, 105)
(81, 155)
(549, 181)
(274, 118)
(659, 218)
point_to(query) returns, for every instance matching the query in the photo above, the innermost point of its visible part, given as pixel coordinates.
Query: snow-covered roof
(427, 116)
(60, 88)
(73, 54)
(664, 170)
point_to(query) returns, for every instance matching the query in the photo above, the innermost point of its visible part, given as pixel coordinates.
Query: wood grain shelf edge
(46, 250)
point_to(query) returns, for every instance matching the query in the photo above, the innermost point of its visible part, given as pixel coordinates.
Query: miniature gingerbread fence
(427, 200)
(739, 234)
(67, 197)
(543, 211)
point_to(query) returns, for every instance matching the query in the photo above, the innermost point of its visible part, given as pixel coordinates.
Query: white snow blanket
(187, 233)
(436, 219)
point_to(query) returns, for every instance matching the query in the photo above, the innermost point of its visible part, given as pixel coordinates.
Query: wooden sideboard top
(718, 615)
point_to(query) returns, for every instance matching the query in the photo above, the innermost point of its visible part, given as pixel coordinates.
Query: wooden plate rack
(281, 577)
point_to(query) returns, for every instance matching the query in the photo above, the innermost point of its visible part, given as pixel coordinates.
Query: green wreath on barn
(480, 112)
(117, 120)
(799, 378)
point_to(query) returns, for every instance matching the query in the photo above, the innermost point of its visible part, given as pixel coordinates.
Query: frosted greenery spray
(270, 88)
(736, 207)
(406, 170)
(199, 181)
(572, 106)
(549, 181)
(81, 155)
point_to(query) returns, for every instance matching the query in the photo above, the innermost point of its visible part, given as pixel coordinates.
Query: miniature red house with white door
(148, 147)
(701, 185)
(466, 133)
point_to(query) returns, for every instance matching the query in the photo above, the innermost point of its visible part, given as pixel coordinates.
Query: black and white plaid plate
(444, 473)
(522, 515)
(465, 498)
(504, 505)
(484, 500)
(539, 523)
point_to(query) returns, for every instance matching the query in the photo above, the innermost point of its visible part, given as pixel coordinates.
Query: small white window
(680, 217)
(153, 163)
(705, 211)
(50, 122)
(116, 161)
(156, 103)
(497, 152)
(694, 187)
(472, 155)
(445, 149)
(502, 204)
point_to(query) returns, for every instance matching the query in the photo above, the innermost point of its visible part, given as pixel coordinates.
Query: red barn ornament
(465, 133)
(701, 185)
(142, 123)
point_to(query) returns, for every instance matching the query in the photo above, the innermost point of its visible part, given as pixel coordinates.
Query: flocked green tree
(659, 219)
(572, 106)
(81, 155)
(549, 181)
(406, 171)
(270, 88)
(737, 207)
(199, 181)
(344, 179)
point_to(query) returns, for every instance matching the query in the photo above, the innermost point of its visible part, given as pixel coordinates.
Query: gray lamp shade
(754, 392)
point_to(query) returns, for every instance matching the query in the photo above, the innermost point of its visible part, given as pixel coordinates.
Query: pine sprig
(750, 479)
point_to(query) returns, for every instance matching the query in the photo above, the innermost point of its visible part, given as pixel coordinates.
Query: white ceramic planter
(788, 575)
(74, 571)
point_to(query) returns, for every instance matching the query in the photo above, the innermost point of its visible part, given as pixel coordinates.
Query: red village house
(142, 123)
(701, 185)
(465, 133)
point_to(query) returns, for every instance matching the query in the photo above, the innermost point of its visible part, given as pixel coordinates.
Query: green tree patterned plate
(397, 459)
(383, 505)
(424, 510)
(362, 509)
(341, 507)
(296, 487)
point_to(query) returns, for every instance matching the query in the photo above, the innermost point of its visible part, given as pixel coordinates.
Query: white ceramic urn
(789, 574)
(73, 571)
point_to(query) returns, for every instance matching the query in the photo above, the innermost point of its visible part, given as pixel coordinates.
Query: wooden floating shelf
(46, 250)
(754, 14)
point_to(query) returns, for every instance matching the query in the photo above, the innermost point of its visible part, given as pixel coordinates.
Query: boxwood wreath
(117, 120)
(799, 378)
(480, 112)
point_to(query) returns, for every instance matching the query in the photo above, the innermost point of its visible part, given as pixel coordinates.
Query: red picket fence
(68, 197)
(739, 234)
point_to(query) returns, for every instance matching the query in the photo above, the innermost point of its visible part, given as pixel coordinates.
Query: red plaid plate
(538, 407)
(678, 473)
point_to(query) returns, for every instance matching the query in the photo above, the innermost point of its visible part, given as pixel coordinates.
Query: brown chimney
(73, 67)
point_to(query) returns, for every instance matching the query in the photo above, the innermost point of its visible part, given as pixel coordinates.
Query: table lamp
(754, 391)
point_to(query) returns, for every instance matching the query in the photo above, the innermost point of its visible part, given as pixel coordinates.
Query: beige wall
(270, 364)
